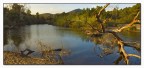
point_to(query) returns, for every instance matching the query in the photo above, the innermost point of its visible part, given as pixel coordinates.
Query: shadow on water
(84, 49)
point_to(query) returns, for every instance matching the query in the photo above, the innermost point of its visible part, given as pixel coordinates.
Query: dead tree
(98, 18)
(120, 42)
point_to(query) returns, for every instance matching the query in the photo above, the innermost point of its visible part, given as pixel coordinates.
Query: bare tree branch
(128, 25)
(134, 55)
(103, 9)
(121, 48)
(120, 42)
(98, 18)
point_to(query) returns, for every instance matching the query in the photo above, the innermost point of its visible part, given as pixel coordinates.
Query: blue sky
(58, 8)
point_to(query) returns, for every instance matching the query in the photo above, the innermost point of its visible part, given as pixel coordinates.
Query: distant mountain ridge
(75, 10)
(49, 14)
(46, 15)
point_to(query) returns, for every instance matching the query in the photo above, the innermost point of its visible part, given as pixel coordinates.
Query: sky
(59, 8)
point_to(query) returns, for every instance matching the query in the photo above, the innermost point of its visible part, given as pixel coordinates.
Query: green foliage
(28, 12)
(78, 18)
(114, 17)
(18, 15)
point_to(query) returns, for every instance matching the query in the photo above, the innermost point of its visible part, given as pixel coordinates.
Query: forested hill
(114, 17)
(75, 11)
(18, 15)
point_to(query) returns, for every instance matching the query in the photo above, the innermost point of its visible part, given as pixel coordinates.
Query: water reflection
(84, 49)
(108, 45)
(13, 38)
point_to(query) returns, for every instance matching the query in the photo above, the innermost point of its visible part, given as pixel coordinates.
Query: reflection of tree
(108, 45)
(6, 36)
(118, 59)
(133, 36)
(16, 35)
(104, 43)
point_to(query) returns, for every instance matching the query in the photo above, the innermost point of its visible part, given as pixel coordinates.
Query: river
(83, 49)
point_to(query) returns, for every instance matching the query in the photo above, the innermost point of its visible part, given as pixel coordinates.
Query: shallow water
(83, 49)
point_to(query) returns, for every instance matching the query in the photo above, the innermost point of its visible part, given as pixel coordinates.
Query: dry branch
(98, 18)
(120, 42)
(29, 52)
(128, 25)
(103, 9)
(92, 27)
(134, 55)
(89, 24)
(122, 52)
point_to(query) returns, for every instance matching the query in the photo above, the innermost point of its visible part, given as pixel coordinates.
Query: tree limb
(134, 55)
(98, 18)
(121, 48)
(103, 9)
(120, 42)
(128, 25)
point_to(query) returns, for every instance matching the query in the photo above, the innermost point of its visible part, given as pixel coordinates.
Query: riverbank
(16, 58)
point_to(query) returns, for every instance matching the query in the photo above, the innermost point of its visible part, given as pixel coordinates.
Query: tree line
(18, 14)
(85, 18)
(98, 19)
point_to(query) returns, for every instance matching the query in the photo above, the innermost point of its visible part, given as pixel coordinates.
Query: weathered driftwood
(49, 55)
(28, 53)
(123, 54)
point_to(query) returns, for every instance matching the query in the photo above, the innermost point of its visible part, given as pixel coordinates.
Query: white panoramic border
(71, 1)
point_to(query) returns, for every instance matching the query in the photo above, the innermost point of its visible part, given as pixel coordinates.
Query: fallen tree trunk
(123, 54)
(122, 51)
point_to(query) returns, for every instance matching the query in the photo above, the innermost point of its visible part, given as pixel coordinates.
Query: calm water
(83, 49)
